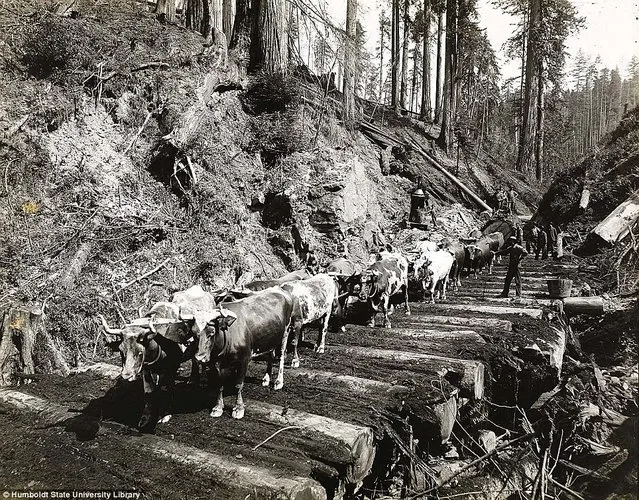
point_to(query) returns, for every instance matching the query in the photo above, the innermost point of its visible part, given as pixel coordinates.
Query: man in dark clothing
(519, 234)
(531, 243)
(552, 238)
(542, 244)
(516, 252)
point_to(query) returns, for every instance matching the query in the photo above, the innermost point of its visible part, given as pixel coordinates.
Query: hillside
(138, 161)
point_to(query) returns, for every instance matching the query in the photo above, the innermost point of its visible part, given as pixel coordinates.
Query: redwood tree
(269, 39)
(350, 61)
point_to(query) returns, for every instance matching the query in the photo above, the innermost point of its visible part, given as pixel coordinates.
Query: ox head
(369, 284)
(133, 341)
(214, 333)
(473, 253)
(424, 272)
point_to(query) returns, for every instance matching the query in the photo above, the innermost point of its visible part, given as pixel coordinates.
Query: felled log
(593, 306)
(468, 375)
(618, 224)
(450, 176)
(226, 471)
(347, 447)
(499, 324)
(585, 199)
(533, 313)
(437, 421)
(439, 335)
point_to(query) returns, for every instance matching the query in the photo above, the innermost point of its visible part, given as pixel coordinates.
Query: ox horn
(152, 326)
(223, 312)
(107, 328)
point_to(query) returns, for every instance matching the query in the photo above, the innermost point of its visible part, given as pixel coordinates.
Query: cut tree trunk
(618, 224)
(498, 324)
(251, 479)
(347, 447)
(593, 306)
(21, 327)
(532, 312)
(166, 8)
(468, 375)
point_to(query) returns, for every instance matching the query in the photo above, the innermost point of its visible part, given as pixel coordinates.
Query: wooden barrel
(559, 289)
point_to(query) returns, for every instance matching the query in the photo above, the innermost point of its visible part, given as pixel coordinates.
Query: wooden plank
(593, 306)
(532, 312)
(469, 373)
(222, 469)
(357, 441)
(476, 322)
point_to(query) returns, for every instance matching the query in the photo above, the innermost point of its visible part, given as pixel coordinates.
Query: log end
(306, 489)
(363, 453)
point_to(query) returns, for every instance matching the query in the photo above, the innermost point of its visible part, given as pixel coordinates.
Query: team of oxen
(221, 332)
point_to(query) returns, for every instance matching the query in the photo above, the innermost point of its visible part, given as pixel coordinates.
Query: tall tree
(228, 14)
(425, 108)
(269, 39)
(199, 17)
(384, 28)
(166, 8)
(440, 9)
(350, 62)
(450, 72)
(403, 92)
(395, 57)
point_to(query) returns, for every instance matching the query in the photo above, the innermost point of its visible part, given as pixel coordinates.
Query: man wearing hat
(516, 252)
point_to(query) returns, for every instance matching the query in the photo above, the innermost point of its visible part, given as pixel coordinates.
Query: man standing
(512, 196)
(531, 244)
(516, 252)
(552, 239)
(519, 234)
(542, 244)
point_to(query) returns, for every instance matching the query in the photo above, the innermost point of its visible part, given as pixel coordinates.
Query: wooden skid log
(593, 306)
(478, 322)
(357, 441)
(533, 313)
(470, 373)
(429, 334)
(440, 417)
(221, 468)
(103, 369)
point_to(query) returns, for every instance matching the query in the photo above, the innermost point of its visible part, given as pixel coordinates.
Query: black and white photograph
(319, 249)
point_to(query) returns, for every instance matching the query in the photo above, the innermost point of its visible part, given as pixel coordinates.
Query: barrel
(559, 288)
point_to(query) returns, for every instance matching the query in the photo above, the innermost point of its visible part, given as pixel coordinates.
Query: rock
(488, 440)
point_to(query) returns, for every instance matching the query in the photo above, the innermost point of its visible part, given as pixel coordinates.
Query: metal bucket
(559, 288)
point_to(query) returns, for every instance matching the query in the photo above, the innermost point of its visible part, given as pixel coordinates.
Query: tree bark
(166, 8)
(525, 150)
(199, 17)
(438, 70)
(241, 37)
(424, 113)
(593, 306)
(349, 62)
(268, 43)
(395, 57)
(228, 14)
(450, 71)
(539, 143)
(619, 222)
(404, 74)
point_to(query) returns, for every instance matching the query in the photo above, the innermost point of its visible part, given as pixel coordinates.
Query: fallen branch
(154, 64)
(565, 489)
(473, 463)
(290, 427)
(146, 275)
(135, 138)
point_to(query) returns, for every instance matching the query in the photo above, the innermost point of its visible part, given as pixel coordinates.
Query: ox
(255, 325)
(482, 253)
(314, 300)
(458, 250)
(382, 280)
(153, 348)
(434, 273)
(346, 277)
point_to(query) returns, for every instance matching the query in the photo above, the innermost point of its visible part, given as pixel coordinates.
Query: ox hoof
(319, 349)
(407, 312)
(217, 412)
(266, 380)
(295, 363)
(387, 325)
(342, 329)
(238, 413)
(278, 385)
(165, 419)
(370, 324)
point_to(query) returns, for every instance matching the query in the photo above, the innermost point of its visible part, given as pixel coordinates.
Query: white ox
(434, 271)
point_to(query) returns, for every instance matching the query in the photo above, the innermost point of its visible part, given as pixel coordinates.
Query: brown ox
(254, 325)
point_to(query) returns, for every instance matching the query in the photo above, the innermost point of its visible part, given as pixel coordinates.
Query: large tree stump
(16, 344)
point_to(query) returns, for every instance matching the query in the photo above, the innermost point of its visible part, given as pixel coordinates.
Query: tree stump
(16, 343)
